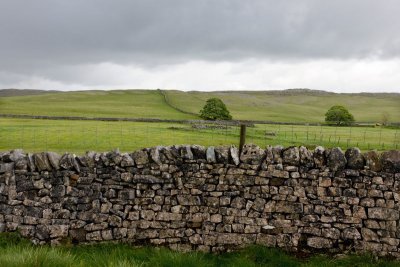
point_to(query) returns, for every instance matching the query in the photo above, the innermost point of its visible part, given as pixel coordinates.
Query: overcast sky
(341, 45)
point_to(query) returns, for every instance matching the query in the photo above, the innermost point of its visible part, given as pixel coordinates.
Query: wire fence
(81, 136)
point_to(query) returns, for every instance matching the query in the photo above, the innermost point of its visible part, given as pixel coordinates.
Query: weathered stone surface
(189, 200)
(127, 160)
(306, 157)
(54, 159)
(369, 235)
(391, 161)
(235, 155)
(383, 214)
(211, 155)
(372, 161)
(319, 157)
(86, 160)
(291, 156)
(15, 155)
(319, 242)
(351, 233)
(140, 157)
(252, 154)
(68, 161)
(7, 167)
(287, 207)
(186, 153)
(155, 155)
(147, 179)
(355, 160)
(222, 154)
(168, 216)
(186, 197)
(199, 152)
(41, 161)
(336, 159)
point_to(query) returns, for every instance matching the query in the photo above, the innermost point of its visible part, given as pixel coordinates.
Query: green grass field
(296, 106)
(80, 136)
(292, 106)
(133, 103)
(18, 252)
(284, 106)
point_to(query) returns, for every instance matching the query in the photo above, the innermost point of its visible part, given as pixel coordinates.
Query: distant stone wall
(209, 199)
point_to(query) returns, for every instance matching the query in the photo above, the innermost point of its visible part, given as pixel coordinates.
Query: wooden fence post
(242, 137)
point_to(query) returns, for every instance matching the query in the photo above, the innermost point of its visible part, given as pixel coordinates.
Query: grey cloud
(37, 36)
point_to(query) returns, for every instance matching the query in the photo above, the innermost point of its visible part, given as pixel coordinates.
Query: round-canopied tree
(339, 115)
(215, 109)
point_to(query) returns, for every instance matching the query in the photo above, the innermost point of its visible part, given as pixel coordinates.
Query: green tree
(339, 115)
(215, 109)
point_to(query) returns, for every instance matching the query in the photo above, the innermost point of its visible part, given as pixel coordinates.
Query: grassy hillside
(23, 92)
(132, 103)
(292, 105)
(285, 106)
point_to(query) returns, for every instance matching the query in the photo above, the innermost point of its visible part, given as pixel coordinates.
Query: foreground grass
(80, 136)
(15, 251)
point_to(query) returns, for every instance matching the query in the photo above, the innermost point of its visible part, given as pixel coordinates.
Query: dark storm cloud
(42, 34)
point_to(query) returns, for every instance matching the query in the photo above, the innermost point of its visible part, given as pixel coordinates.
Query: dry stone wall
(209, 199)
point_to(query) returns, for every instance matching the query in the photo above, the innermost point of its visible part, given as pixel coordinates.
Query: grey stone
(168, 216)
(69, 162)
(291, 156)
(383, 214)
(127, 160)
(319, 157)
(369, 235)
(189, 200)
(336, 159)
(288, 207)
(147, 179)
(306, 157)
(31, 162)
(155, 155)
(54, 159)
(351, 233)
(319, 242)
(259, 204)
(211, 155)
(252, 154)
(16, 155)
(7, 167)
(355, 160)
(372, 161)
(235, 155)
(391, 161)
(186, 153)
(199, 152)
(41, 161)
(87, 160)
(140, 157)
(222, 154)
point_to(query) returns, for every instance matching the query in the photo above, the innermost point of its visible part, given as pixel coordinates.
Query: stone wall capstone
(209, 199)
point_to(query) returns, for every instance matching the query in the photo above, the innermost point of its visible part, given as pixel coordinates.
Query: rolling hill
(296, 105)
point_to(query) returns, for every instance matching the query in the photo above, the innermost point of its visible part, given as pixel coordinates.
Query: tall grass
(18, 252)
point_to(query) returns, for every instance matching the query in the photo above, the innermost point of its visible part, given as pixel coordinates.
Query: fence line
(155, 120)
(76, 136)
